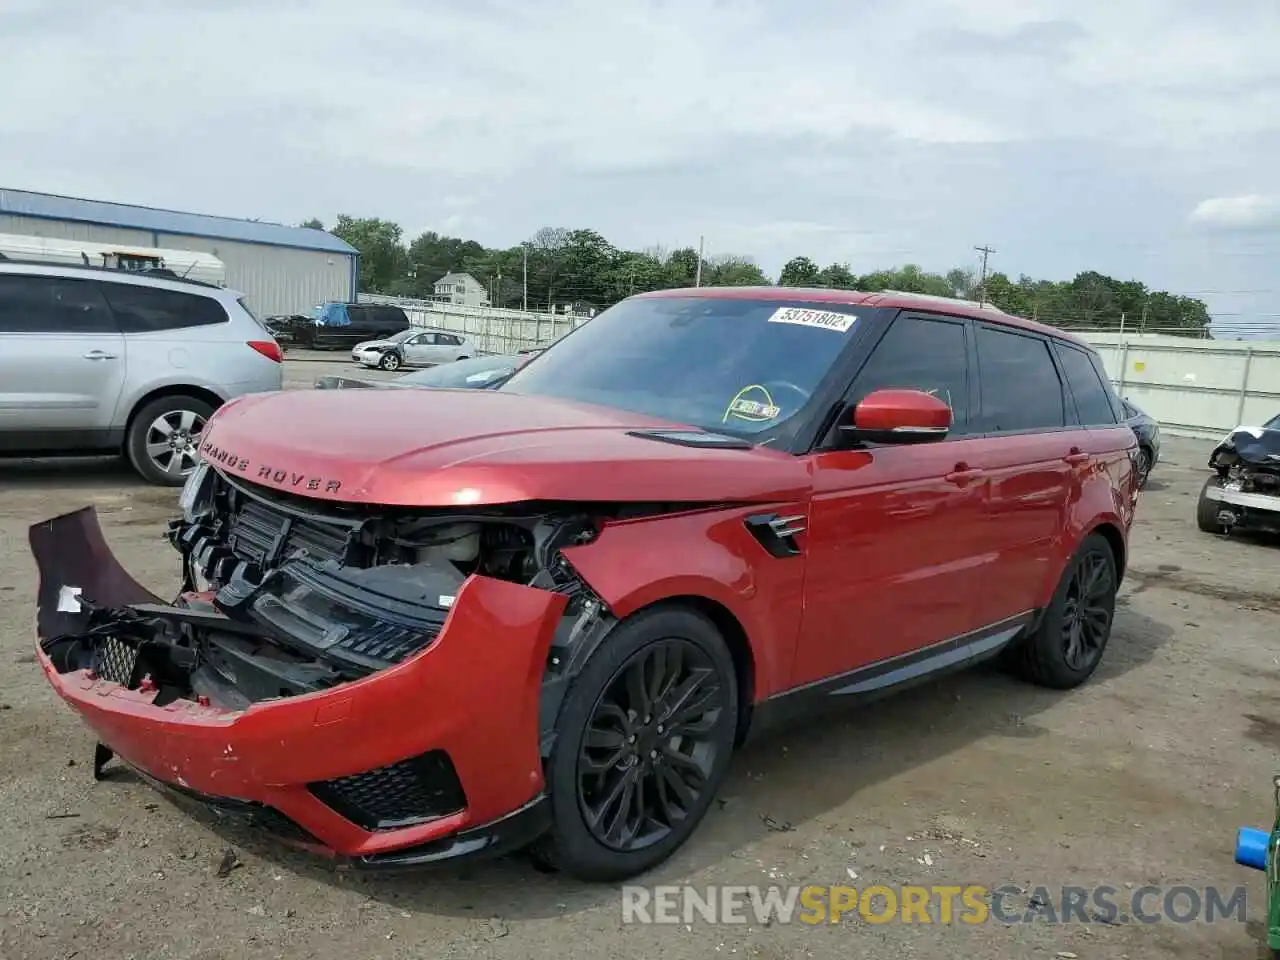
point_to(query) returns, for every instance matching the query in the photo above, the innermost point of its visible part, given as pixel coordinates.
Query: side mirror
(898, 416)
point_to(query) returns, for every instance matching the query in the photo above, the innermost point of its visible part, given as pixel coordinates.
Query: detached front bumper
(430, 759)
(1248, 511)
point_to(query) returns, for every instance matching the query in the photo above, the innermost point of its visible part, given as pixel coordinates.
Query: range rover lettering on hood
(268, 472)
(451, 448)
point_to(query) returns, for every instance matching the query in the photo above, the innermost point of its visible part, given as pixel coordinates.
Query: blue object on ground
(1251, 847)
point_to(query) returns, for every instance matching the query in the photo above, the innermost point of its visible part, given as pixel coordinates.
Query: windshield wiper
(694, 438)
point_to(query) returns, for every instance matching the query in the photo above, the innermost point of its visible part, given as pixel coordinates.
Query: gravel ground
(1141, 777)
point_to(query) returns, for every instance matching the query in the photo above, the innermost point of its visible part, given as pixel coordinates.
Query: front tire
(1207, 510)
(1072, 635)
(389, 361)
(164, 437)
(643, 743)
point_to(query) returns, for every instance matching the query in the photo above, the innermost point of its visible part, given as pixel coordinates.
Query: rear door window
(152, 310)
(53, 305)
(1020, 387)
(1093, 403)
(921, 353)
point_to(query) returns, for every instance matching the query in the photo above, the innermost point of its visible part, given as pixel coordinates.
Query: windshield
(401, 336)
(1273, 423)
(743, 367)
(476, 373)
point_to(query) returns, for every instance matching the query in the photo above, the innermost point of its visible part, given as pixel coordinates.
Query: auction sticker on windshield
(825, 319)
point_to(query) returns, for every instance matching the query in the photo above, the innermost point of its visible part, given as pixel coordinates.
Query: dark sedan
(475, 373)
(1147, 431)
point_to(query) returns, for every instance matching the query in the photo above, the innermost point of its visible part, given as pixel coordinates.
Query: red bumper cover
(474, 694)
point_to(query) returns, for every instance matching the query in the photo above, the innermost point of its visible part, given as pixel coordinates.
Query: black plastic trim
(764, 527)
(417, 790)
(510, 833)
(890, 675)
(694, 438)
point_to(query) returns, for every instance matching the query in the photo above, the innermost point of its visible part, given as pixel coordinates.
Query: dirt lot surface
(1139, 778)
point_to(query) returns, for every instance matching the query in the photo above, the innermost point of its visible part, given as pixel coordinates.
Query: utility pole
(525, 248)
(982, 284)
(697, 280)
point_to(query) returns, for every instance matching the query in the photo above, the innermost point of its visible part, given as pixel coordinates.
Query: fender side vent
(777, 534)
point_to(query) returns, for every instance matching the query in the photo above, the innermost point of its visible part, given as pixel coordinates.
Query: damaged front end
(383, 680)
(1246, 491)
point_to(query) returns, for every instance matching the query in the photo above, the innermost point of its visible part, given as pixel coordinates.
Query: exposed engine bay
(283, 596)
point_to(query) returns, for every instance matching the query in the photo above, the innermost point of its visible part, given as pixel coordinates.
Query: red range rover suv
(419, 625)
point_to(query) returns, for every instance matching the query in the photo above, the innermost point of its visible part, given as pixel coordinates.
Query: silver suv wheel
(172, 441)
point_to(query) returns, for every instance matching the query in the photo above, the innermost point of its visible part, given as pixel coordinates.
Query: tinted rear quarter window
(52, 305)
(1093, 402)
(151, 310)
(1020, 386)
(921, 353)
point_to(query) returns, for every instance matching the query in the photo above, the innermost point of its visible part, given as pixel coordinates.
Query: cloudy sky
(1137, 137)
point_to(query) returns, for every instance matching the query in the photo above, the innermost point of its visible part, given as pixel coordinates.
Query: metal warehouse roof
(48, 206)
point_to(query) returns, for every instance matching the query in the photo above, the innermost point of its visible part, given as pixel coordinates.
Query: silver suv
(95, 360)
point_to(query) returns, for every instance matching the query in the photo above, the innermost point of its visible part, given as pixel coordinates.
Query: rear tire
(1207, 510)
(1072, 635)
(663, 775)
(164, 437)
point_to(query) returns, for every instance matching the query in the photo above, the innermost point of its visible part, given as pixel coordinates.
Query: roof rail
(159, 273)
(936, 298)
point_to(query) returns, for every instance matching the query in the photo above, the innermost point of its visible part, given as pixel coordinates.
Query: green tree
(312, 224)
(799, 272)
(730, 270)
(383, 259)
(838, 276)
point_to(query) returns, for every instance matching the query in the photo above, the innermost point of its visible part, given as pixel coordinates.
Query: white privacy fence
(1195, 388)
(494, 330)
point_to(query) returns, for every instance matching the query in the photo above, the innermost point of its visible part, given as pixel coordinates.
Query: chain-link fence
(493, 330)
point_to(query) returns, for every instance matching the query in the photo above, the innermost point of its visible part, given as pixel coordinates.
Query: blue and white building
(279, 269)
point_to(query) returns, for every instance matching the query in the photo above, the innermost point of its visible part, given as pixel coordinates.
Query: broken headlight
(196, 493)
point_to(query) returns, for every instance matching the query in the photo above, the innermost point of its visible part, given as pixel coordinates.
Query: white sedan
(416, 348)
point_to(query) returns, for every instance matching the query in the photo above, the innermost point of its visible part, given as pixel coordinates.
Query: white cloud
(1251, 212)
(868, 131)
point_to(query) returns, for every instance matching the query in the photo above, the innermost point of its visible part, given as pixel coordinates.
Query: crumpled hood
(1254, 446)
(471, 447)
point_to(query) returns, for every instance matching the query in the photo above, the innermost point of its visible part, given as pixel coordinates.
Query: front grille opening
(114, 660)
(411, 791)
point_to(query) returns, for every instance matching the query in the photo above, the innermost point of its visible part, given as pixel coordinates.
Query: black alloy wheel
(650, 746)
(1068, 640)
(1087, 611)
(642, 743)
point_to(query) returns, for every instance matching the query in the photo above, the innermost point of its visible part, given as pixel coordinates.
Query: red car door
(893, 562)
(1033, 456)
